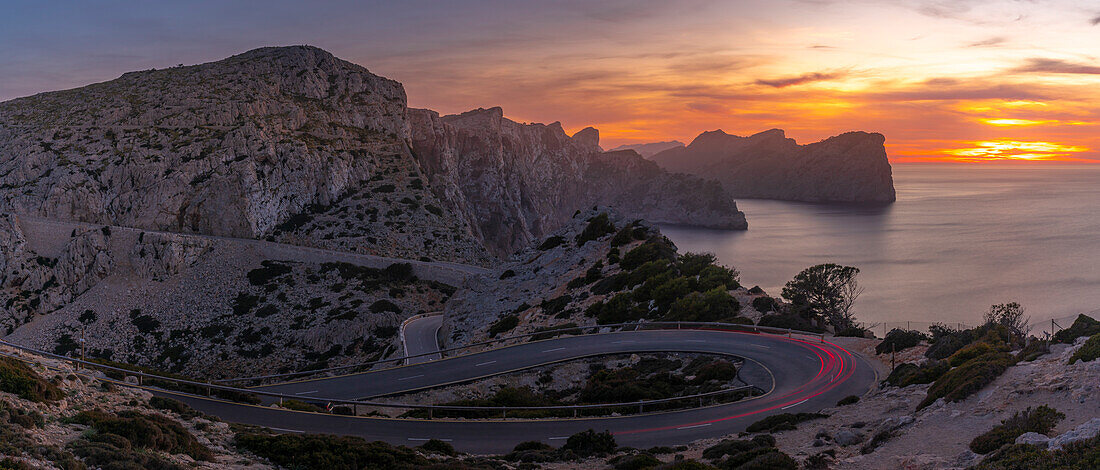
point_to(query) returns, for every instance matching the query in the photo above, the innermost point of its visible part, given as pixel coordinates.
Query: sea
(959, 239)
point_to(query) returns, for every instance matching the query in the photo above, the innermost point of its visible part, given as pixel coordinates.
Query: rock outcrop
(850, 167)
(651, 149)
(517, 182)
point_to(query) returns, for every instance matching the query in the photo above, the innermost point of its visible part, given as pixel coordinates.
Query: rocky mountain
(286, 143)
(850, 167)
(650, 149)
(519, 182)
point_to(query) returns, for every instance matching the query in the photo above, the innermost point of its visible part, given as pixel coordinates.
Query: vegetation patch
(327, 452)
(598, 226)
(19, 379)
(973, 375)
(1081, 455)
(1041, 420)
(758, 453)
(1088, 351)
(908, 374)
(147, 431)
(1084, 325)
(899, 340)
(782, 422)
(505, 324)
(551, 243)
(269, 271)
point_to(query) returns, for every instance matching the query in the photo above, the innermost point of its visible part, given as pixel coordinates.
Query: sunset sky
(943, 80)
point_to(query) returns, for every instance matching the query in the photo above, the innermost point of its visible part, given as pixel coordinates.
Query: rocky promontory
(851, 167)
(519, 182)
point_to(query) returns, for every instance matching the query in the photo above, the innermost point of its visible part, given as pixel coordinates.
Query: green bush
(1081, 455)
(793, 322)
(848, 400)
(759, 453)
(1088, 351)
(384, 305)
(326, 452)
(946, 343)
(439, 447)
(1041, 420)
(1082, 326)
(710, 306)
(899, 340)
(908, 374)
(634, 462)
(147, 431)
(589, 443)
(654, 249)
(765, 304)
(18, 379)
(505, 324)
(551, 242)
(963, 381)
(782, 422)
(176, 406)
(269, 271)
(852, 331)
(298, 405)
(597, 227)
(969, 352)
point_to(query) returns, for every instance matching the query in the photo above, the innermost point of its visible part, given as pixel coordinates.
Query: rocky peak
(589, 136)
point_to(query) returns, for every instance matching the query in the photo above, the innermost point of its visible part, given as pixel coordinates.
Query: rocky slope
(556, 282)
(289, 143)
(850, 167)
(519, 182)
(650, 149)
(204, 307)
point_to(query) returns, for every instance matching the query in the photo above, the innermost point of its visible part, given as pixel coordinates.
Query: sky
(953, 80)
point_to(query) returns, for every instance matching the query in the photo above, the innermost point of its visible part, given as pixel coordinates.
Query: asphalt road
(802, 375)
(421, 338)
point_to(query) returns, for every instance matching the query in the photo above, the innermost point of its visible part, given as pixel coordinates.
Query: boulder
(847, 437)
(1082, 432)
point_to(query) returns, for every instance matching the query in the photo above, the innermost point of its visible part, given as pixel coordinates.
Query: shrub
(555, 305)
(765, 304)
(1082, 326)
(176, 406)
(597, 227)
(654, 249)
(969, 352)
(507, 274)
(853, 331)
(1081, 455)
(782, 422)
(1041, 420)
(326, 452)
(848, 400)
(899, 340)
(634, 462)
(147, 431)
(505, 324)
(908, 374)
(793, 322)
(551, 243)
(710, 306)
(961, 382)
(18, 379)
(298, 405)
(1088, 351)
(945, 343)
(269, 270)
(590, 442)
(384, 305)
(439, 447)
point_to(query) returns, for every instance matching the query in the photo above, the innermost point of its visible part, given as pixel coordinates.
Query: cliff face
(518, 182)
(289, 143)
(850, 167)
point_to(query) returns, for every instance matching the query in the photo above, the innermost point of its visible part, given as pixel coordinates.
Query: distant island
(650, 149)
(848, 168)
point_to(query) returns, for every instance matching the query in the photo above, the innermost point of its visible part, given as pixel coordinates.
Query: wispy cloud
(1042, 65)
(994, 41)
(799, 80)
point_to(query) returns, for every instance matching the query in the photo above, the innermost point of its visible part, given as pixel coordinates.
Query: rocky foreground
(850, 167)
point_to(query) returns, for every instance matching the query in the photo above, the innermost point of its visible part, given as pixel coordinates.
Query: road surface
(800, 375)
(421, 337)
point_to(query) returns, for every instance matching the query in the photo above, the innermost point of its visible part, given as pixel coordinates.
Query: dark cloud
(994, 41)
(945, 92)
(821, 46)
(792, 81)
(1095, 21)
(1041, 65)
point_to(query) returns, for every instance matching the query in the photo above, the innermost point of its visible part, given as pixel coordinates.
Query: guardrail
(550, 333)
(211, 387)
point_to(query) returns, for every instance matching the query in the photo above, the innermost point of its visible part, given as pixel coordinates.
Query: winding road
(800, 374)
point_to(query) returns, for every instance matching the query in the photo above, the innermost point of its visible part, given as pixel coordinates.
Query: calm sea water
(958, 239)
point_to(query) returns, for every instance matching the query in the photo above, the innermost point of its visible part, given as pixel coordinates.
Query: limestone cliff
(289, 143)
(850, 167)
(518, 182)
